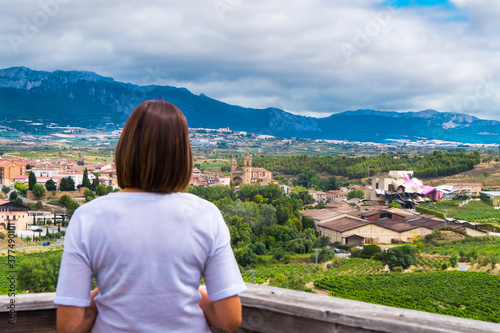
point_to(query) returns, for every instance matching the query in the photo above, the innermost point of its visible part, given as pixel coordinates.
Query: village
(387, 212)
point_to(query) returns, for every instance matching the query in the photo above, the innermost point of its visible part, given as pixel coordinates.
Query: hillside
(36, 102)
(487, 174)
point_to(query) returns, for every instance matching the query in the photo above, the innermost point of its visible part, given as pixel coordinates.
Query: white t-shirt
(148, 253)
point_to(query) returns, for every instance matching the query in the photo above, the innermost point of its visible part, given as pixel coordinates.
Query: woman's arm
(73, 319)
(224, 313)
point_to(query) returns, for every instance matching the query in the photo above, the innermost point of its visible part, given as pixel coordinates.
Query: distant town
(300, 213)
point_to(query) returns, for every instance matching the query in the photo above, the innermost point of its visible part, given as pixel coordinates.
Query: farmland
(461, 294)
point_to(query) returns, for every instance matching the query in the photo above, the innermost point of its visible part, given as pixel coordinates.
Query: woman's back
(148, 252)
(149, 245)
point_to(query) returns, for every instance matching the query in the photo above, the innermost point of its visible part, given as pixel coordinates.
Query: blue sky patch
(415, 3)
(446, 5)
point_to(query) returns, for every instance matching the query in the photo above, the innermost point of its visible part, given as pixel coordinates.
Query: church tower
(234, 164)
(247, 169)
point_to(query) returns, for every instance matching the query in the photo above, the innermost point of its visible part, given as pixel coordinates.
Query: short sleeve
(222, 275)
(75, 275)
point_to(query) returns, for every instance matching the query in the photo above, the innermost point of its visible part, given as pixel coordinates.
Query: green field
(461, 294)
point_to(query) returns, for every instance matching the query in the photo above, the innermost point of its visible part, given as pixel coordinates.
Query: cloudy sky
(310, 57)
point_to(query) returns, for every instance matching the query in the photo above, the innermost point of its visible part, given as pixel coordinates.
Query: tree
(223, 202)
(50, 185)
(5, 190)
(329, 184)
(324, 241)
(305, 242)
(258, 199)
(370, 250)
(86, 182)
(394, 204)
(308, 223)
(65, 200)
(259, 248)
(95, 183)
(101, 190)
(38, 205)
(324, 255)
(454, 260)
(67, 184)
(38, 191)
(282, 213)
(248, 211)
(72, 207)
(244, 256)
(13, 196)
(39, 274)
(307, 179)
(266, 218)
(31, 180)
(301, 194)
(21, 188)
(404, 256)
(89, 195)
(239, 231)
(360, 194)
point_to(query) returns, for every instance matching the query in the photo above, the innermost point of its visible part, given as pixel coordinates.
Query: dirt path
(317, 290)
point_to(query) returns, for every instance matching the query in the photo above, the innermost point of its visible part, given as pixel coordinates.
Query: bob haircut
(153, 152)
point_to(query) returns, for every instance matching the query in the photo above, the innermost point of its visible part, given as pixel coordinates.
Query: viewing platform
(269, 309)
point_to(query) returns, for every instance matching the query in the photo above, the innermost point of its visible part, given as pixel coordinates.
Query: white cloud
(310, 57)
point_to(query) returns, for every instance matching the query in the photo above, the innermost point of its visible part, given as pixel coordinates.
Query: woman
(149, 245)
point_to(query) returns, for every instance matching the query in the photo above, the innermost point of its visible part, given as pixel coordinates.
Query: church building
(247, 174)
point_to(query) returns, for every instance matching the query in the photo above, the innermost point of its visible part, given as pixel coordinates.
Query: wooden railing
(270, 309)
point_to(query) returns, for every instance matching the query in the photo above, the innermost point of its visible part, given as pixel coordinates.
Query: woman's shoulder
(95, 203)
(194, 201)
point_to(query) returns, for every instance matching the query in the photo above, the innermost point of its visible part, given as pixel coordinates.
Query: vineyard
(431, 263)
(264, 273)
(343, 266)
(480, 245)
(471, 295)
(474, 211)
(483, 216)
(461, 294)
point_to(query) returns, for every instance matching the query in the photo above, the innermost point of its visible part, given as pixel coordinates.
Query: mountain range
(41, 102)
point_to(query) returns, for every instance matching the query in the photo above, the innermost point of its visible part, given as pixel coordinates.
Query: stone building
(247, 174)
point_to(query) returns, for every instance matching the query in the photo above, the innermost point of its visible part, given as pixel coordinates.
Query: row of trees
(67, 184)
(436, 164)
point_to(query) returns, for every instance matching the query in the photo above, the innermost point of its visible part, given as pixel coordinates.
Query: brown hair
(153, 152)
